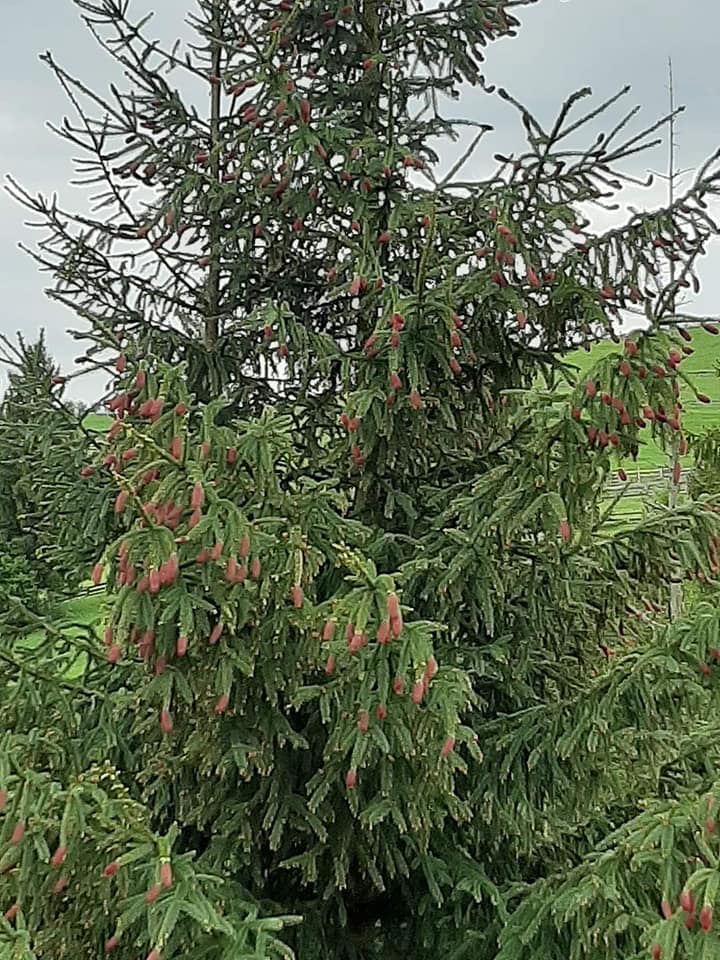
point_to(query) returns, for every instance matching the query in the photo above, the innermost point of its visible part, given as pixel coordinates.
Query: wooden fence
(642, 483)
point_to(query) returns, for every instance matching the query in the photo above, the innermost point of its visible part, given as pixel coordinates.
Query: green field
(97, 422)
(70, 617)
(701, 368)
(705, 359)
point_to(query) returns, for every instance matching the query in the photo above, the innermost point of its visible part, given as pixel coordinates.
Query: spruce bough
(376, 675)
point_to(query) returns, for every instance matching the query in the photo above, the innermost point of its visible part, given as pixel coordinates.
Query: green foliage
(706, 475)
(609, 904)
(376, 675)
(699, 419)
(46, 508)
(17, 576)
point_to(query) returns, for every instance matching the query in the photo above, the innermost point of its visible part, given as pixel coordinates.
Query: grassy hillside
(97, 422)
(706, 357)
(701, 367)
(70, 617)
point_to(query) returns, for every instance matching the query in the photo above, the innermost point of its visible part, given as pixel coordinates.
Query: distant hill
(97, 422)
(701, 367)
(705, 359)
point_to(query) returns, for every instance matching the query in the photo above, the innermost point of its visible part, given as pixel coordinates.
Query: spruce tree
(28, 427)
(380, 675)
(50, 515)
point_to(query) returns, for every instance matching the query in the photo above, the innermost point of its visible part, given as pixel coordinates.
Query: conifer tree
(27, 418)
(50, 515)
(379, 676)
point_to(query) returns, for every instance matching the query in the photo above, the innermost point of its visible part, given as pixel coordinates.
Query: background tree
(50, 517)
(377, 659)
(26, 429)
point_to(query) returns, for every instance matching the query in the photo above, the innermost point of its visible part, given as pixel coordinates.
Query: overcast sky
(563, 45)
